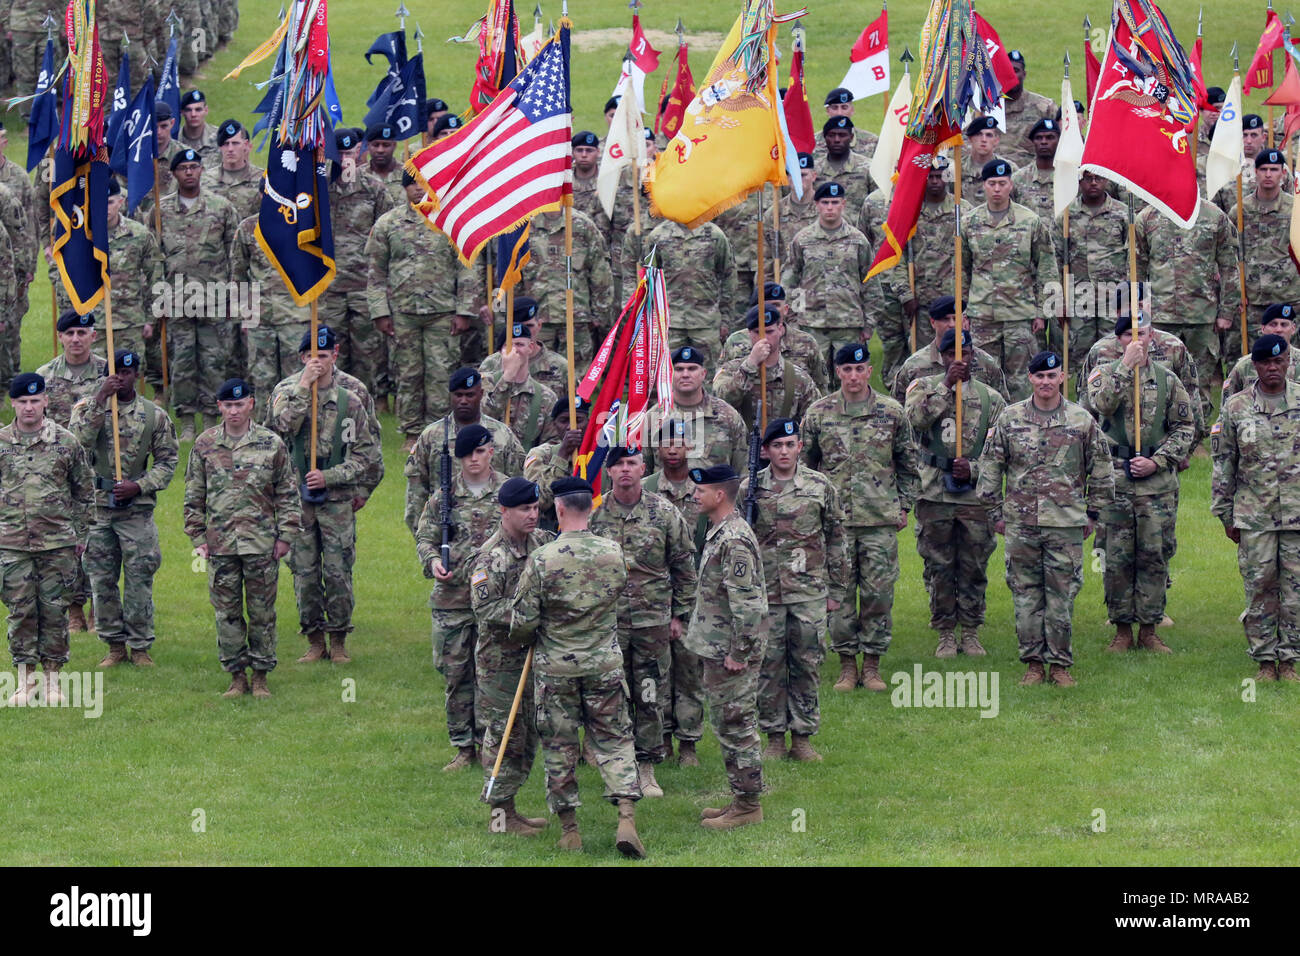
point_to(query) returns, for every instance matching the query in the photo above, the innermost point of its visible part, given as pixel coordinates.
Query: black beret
(228, 131)
(571, 485)
(688, 355)
(949, 341)
(839, 95)
(192, 97)
(611, 103)
(518, 491)
(26, 383)
(829, 191)
(805, 160)
(943, 306)
(525, 308)
(1045, 126)
(853, 353)
(446, 122)
(345, 139)
(471, 437)
(586, 138)
(1278, 310)
(1044, 362)
(773, 315)
(713, 475)
(1215, 94)
(780, 428)
(837, 122)
(618, 453)
(980, 123)
(1125, 322)
(1252, 121)
(520, 331)
(772, 292)
(561, 407)
(1265, 347)
(436, 105)
(463, 378)
(185, 156)
(126, 359)
(70, 320)
(995, 168)
(1270, 157)
(408, 178)
(162, 111)
(233, 389)
(1015, 56)
(380, 131)
(648, 133)
(114, 187)
(325, 339)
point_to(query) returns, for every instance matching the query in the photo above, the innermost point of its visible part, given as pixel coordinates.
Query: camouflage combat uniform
(823, 283)
(853, 173)
(797, 346)
(926, 361)
(1243, 375)
(932, 258)
(422, 463)
(1021, 115)
(714, 431)
(1270, 274)
(790, 392)
(1164, 348)
(1098, 266)
(548, 367)
(524, 407)
(593, 284)
(13, 283)
(242, 188)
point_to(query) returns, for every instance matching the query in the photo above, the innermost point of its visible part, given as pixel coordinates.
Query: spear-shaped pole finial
(1087, 29)
(1236, 67)
(537, 13)
(419, 38)
(1200, 14)
(401, 14)
(906, 59)
(280, 16)
(1067, 64)
(634, 4)
(50, 25)
(681, 33)
(126, 40)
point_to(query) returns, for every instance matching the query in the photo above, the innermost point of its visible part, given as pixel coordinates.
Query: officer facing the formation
(656, 604)
(566, 607)
(1056, 468)
(123, 543)
(242, 513)
(473, 516)
(493, 575)
(798, 526)
(1256, 494)
(953, 534)
(1141, 521)
(47, 490)
(726, 634)
(334, 484)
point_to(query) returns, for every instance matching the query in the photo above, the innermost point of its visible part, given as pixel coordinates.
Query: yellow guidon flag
(732, 139)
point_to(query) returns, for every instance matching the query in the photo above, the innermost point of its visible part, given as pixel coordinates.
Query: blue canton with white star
(544, 85)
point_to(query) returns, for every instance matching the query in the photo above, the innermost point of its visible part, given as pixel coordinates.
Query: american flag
(512, 160)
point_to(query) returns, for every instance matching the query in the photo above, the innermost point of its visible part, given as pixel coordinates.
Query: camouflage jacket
(1256, 484)
(1008, 265)
(474, 516)
(797, 346)
(800, 532)
(866, 450)
(356, 203)
(931, 409)
(543, 465)
(137, 266)
(932, 252)
(524, 407)
(1243, 376)
(566, 604)
(14, 218)
(241, 187)
(65, 385)
(414, 269)
(1021, 116)
(794, 217)
(1192, 273)
(205, 144)
(740, 223)
(494, 572)
(1226, 198)
(1098, 248)
(1056, 465)
(249, 264)
(853, 173)
(548, 367)
(737, 383)
(15, 177)
(1165, 348)
(424, 460)
(1110, 393)
(972, 171)
(1032, 188)
(715, 433)
(196, 242)
(145, 434)
(352, 471)
(350, 382)
(391, 182)
(701, 271)
(823, 279)
(593, 281)
(926, 361)
(46, 489)
(240, 493)
(1270, 274)
(659, 554)
(731, 596)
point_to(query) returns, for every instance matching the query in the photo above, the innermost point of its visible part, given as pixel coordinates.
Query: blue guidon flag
(293, 223)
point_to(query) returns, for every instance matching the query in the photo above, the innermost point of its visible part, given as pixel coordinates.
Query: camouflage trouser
(123, 545)
(682, 694)
(152, 355)
(1137, 559)
(584, 340)
(955, 542)
(6, 63)
(227, 19)
(1044, 574)
(187, 58)
(426, 353)
(272, 357)
(597, 702)
(791, 673)
(1202, 343)
(363, 349)
(496, 678)
(873, 568)
(1012, 345)
(80, 591)
(34, 586)
(645, 660)
(705, 341)
(11, 340)
(199, 352)
(1084, 333)
(1270, 570)
(895, 331)
(321, 560)
(236, 580)
(733, 714)
(454, 634)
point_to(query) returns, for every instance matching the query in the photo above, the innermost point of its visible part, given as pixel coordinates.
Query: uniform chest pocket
(803, 514)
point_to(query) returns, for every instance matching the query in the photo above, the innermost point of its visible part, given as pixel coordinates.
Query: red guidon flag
(909, 192)
(1002, 67)
(1092, 70)
(869, 67)
(798, 115)
(1259, 75)
(669, 118)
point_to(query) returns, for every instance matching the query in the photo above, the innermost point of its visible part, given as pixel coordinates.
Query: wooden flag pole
(776, 234)
(568, 310)
(510, 722)
(759, 271)
(1241, 232)
(315, 401)
(957, 274)
(1065, 307)
(112, 370)
(54, 293)
(1133, 308)
(492, 322)
(911, 285)
(510, 328)
(162, 322)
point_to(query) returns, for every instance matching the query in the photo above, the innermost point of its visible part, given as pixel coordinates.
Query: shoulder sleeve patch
(912, 384)
(480, 577)
(988, 436)
(1216, 428)
(1094, 374)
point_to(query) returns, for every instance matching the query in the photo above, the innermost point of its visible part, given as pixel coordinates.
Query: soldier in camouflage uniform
(1031, 185)
(927, 361)
(714, 430)
(838, 162)
(123, 541)
(1279, 319)
(236, 179)
(381, 150)
(473, 516)
(566, 606)
(789, 389)
(726, 634)
(195, 132)
(798, 526)
(420, 294)
(797, 345)
(839, 102)
(1144, 513)
(18, 198)
(242, 512)
(1056, 465)
(546, 366)
(1008, 266)
(515, 397)
(493, 576)
(931, 248)
(982, 146)
(168, 147)
(1253, 139)
(586, 162)
(1266, 221)
(655, 605)
(338, 479)
(798, 212)
(1023, 109)
(46, 490)
(953, 534)
(861, 441)
(1255, 495)
(1098, 263)
(593, 282)
(548, 463)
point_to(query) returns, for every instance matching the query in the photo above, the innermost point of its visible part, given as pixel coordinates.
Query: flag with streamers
(498, 52)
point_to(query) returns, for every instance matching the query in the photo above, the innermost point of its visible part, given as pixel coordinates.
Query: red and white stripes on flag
(511, 161)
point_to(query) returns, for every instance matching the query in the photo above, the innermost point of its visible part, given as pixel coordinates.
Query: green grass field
(342, 765)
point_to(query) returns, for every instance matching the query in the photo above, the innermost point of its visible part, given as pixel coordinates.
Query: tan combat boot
(1286, 671)
(76, 619)
(260, 690)
(570, 838)
(1034, 675)
(1267, 672)
(238, 684)
(90, 616)
(947, 645)
(315, 648)
(116, 655)
(645, 775)
(28, 681)
(464, 758)
(744, 810)
(848, 673)
(970, 642)
(50, 683)
(1166, 621)
(1148, 640)
(775, 749)
(686, 756)
(871, 673)
(712, 813)
(140, 657)
(513, 822)
(801, 749)
(338, 652)
(1061, 676)
(1123, 639)
(626, 839)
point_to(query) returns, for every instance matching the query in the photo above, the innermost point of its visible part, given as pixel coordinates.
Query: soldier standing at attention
(1056, 465)
(123, 543)
(790, 391)
(1266, 221)
(714, 431)
(861, 441)
(381, 150)
(242, 512)
(931, 249)
(47, 490)
(837, 161)
(566, 606)
(493, 575)
(237, 179)
(796, 344)
(1032, 184)
(983, 138)
(927, 360)
(196, 132)
(1098, 262)
(1279, 319)
(798, 526)
(1255, 496)
(839, 102)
